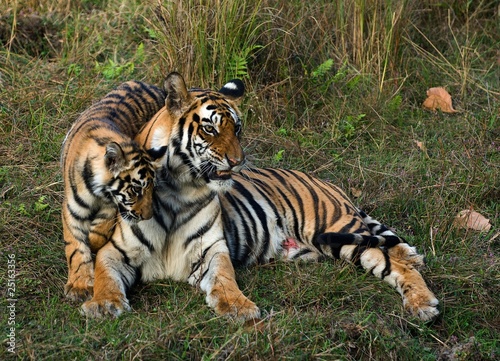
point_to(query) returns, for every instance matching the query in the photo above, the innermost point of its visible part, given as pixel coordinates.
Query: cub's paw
(79, 291)
(100, 307)
(422, 305)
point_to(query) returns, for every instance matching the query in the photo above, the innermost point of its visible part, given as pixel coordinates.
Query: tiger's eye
(209, 129)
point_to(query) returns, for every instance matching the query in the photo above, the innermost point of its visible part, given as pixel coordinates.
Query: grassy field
(335, 88)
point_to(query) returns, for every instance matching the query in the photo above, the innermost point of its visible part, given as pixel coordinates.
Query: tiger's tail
(380, 236)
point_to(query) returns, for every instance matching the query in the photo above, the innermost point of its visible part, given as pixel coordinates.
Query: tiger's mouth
(220, 174)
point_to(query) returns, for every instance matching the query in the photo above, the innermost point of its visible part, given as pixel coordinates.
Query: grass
(335, 89)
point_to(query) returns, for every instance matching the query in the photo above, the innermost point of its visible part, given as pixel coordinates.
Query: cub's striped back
(105, 171)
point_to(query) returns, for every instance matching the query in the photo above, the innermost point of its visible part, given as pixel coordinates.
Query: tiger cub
(105, 172)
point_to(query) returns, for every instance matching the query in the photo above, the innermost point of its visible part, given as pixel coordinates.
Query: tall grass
(281, 49)
(209, 41)
(202, 38)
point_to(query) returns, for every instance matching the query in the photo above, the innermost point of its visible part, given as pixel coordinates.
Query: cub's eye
(137, 189)
(209, 129)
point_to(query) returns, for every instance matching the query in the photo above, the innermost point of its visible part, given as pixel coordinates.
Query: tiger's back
(105, 171)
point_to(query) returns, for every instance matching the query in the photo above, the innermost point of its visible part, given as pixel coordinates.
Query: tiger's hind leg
(399, 273)
(399, 250)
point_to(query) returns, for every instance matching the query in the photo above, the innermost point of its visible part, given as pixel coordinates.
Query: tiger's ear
(115, 157)
(233, 90)
(177, 93)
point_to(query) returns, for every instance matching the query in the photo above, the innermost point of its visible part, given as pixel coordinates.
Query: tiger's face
(195, 138)
(215, 146)
(132, 181)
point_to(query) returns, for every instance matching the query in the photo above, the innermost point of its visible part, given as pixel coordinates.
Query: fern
(238, 65)
(322, 69)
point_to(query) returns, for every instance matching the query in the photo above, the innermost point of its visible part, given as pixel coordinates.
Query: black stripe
(157, 94)
(291, 208)
(250, 199)
(356, 255)
(387, 269)
(239, 249)
(301, 252)
(196, 265)
(300, 197)
(348, 227)
(70, 260)
(88, 176)
(140, 236)
(203, 229)
(76, 215)
(153, 121)
(81, 264)
(194, 208)
(266, 191)
(126, 259)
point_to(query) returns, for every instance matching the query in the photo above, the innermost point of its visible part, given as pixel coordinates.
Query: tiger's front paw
(235, 306)
(105, 306)
(79, 291)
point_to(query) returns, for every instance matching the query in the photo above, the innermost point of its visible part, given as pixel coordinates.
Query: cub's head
(201, 130)
(131, 180)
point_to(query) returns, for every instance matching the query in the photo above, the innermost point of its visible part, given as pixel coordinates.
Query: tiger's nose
(234, 161)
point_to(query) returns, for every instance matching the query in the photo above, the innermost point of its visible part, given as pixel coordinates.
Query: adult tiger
(206, 213)
(105, 171)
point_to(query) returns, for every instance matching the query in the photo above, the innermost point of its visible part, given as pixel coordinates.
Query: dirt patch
(31, 33)
(461, 351)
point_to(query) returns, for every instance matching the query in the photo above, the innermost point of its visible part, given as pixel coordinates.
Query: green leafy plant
(40, 204)
(22, 210)
(238, 64)
(74, 69)
(278, 157)
(112, 70)
(323, 69)
(349, 125)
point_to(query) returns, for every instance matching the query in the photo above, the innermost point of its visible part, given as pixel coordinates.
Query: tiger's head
(131, 180)
(195, 137)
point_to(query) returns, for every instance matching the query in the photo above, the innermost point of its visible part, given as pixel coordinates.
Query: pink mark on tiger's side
(290, 248)
(290, 243)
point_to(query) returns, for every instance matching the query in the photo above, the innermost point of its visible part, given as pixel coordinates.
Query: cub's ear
(115, 157)
(233, 90)
(177, 93)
